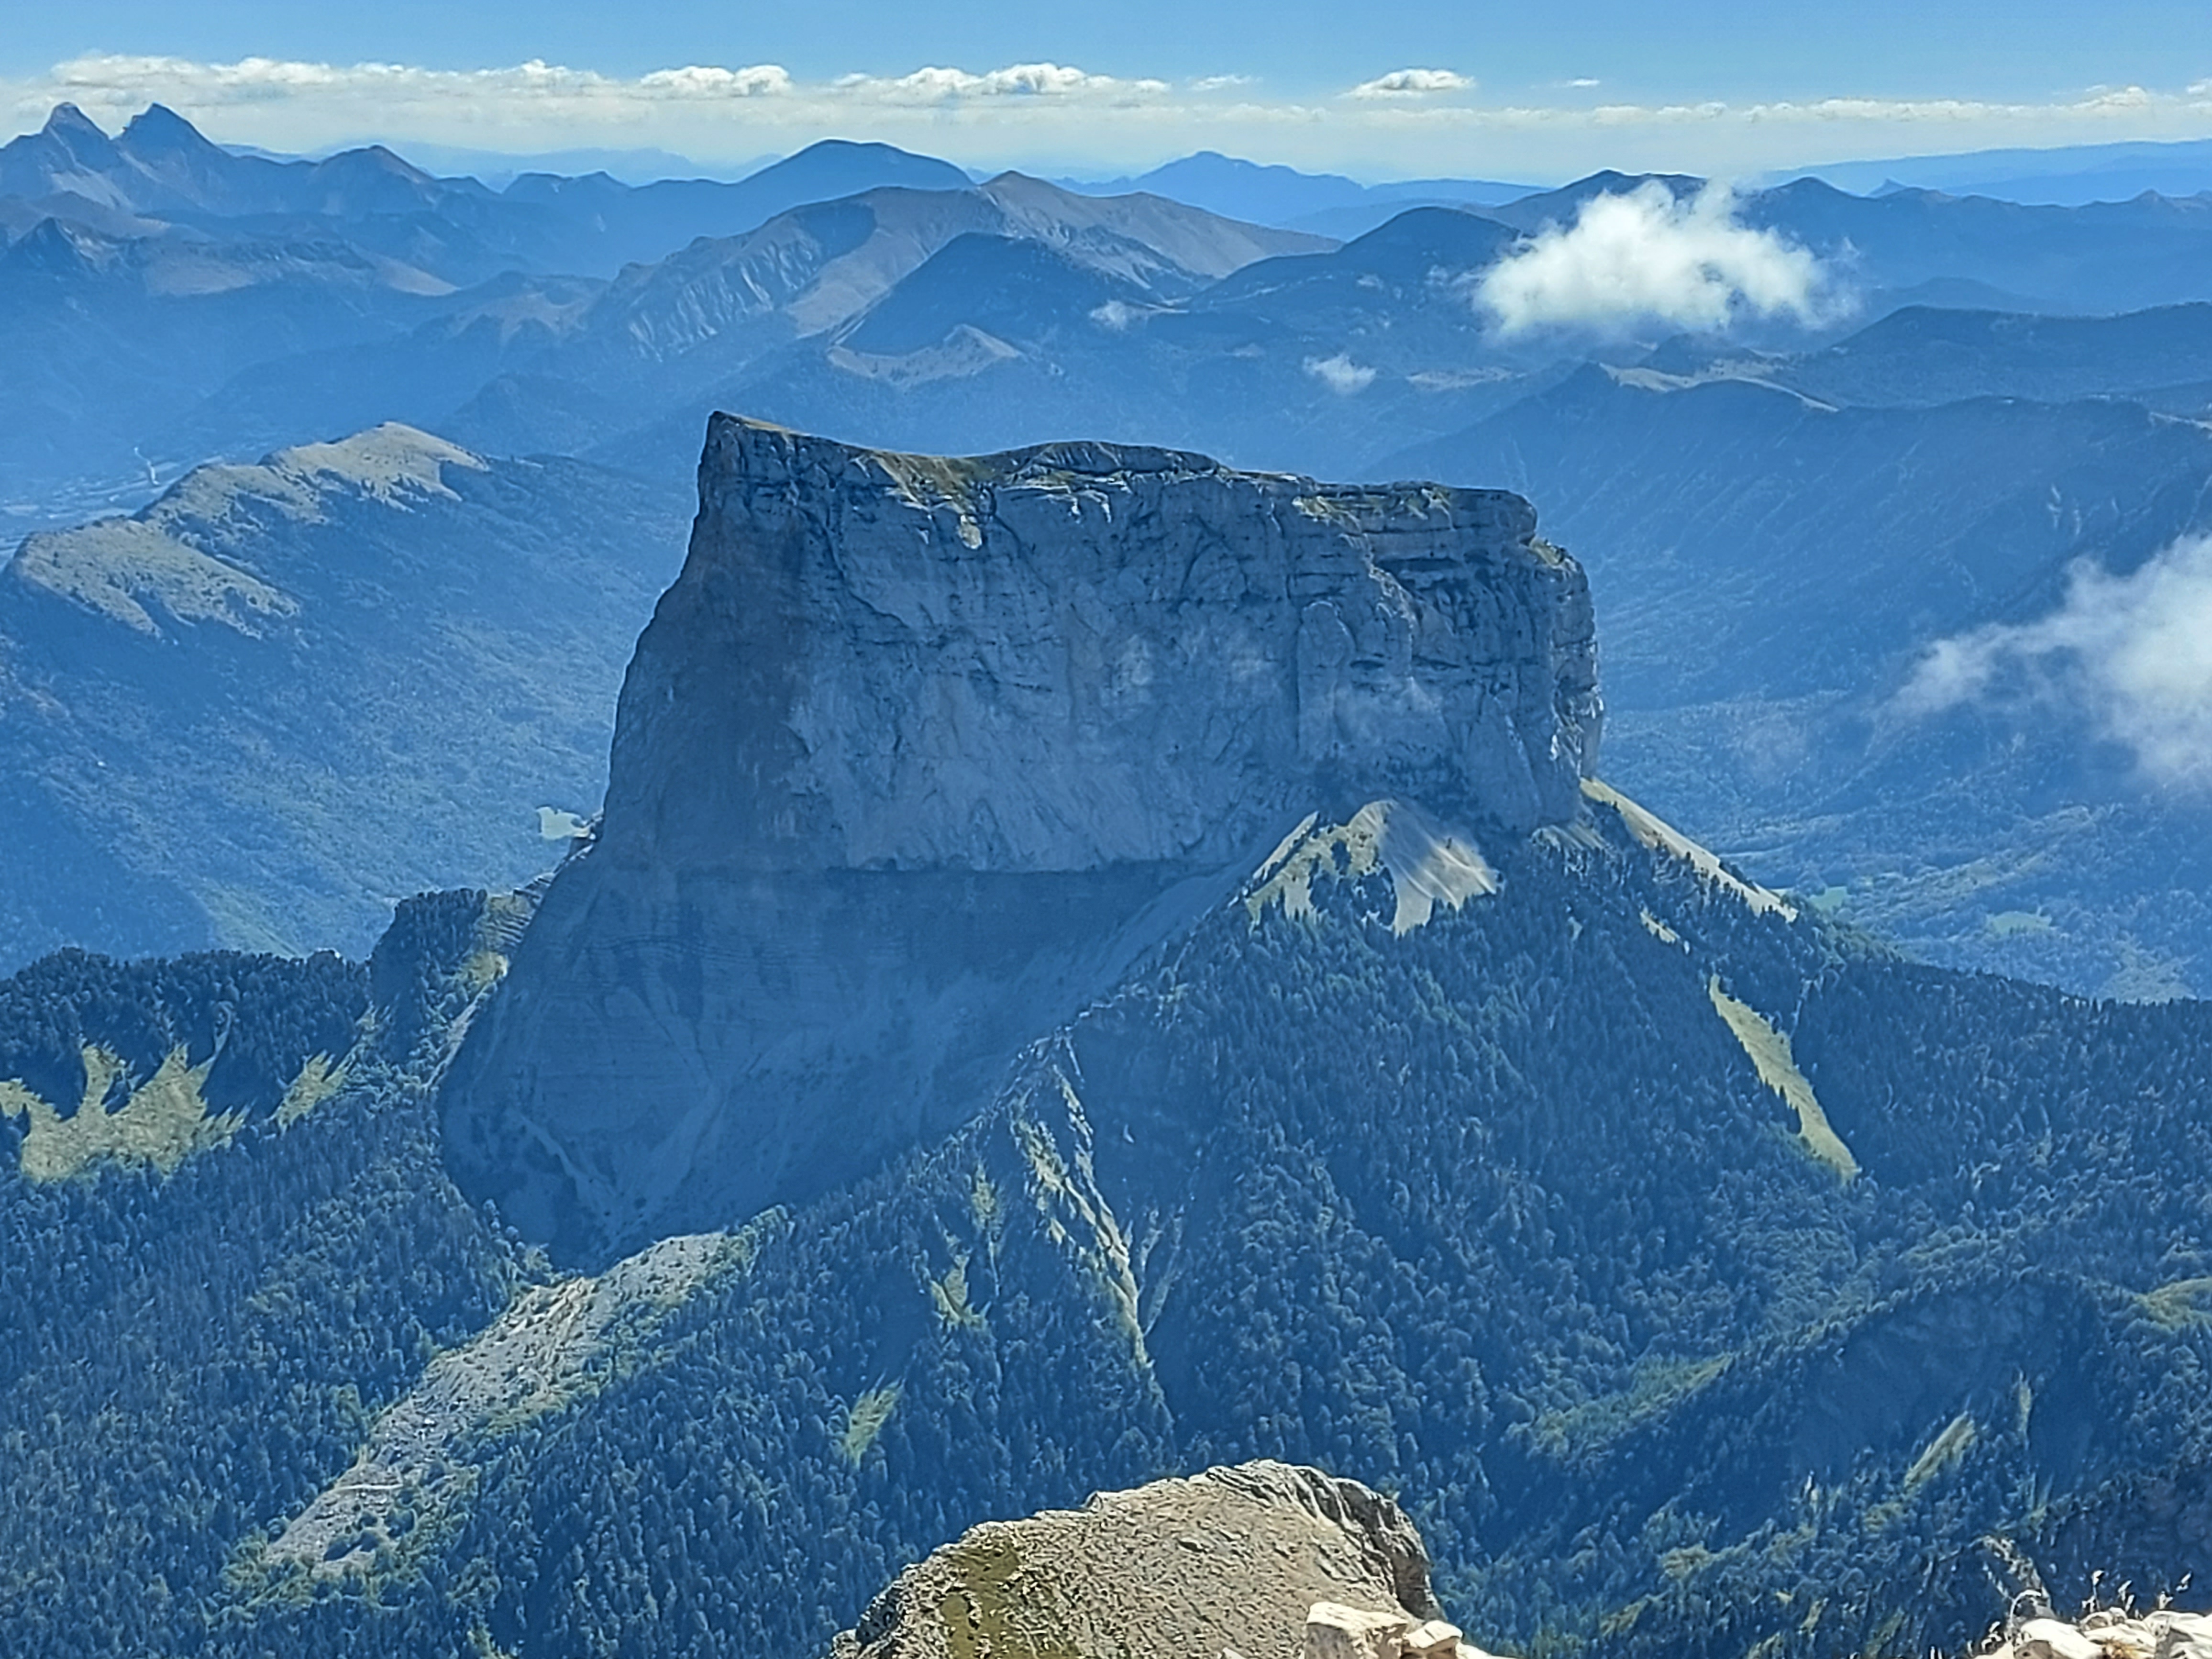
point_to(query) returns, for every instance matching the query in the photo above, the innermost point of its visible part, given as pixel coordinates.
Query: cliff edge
(1080, 655)
(918, 754)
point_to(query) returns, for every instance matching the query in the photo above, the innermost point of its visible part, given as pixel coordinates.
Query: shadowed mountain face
(285, 695)
(922, 753)
(1919, 355)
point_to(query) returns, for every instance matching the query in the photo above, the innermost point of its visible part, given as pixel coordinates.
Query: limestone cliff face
(918, 754)
(1080, 656)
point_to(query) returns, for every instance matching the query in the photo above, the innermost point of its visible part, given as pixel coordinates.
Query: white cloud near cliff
(1340, 375)
(1646, 256)
(2132, 654)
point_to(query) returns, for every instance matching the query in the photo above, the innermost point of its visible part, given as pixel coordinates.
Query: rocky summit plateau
(919, 754)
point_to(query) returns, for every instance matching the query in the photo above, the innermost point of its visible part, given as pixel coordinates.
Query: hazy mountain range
(264, 709)
(1998, 391)
(2066, 176)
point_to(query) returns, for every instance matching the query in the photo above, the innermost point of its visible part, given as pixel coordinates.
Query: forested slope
(1495, 1212)
(255, 1252)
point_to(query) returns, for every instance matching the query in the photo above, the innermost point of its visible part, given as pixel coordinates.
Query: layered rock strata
(918, 754)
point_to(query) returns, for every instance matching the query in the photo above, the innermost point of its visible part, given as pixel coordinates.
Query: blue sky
(1520, 90)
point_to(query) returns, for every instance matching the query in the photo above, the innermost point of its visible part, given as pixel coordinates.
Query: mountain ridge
(284, 695)
(1704, 1276)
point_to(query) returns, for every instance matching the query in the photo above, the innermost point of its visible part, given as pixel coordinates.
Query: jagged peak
(66, 120)
(373, 159)
(158, 127)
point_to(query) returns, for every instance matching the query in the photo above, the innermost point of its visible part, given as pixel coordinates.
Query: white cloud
(1412, 83)
(760, 81)
(1646, 256)
(1582, 82)
(1340, 375)
(937, 86)
(2132, 653)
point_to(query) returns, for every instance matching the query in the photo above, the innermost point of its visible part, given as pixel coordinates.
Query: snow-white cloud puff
(1340, 375)
(1412, 84)
(2131, 655)
(938, 86)
(1634, 258)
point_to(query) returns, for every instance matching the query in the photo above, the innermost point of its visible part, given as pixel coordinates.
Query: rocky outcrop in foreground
(1264, 1561)
(2112, 1633)
(920, 754)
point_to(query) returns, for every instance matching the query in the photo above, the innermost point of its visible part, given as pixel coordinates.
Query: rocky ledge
(919, 755)
(2110, 1633)
(1263, 1561)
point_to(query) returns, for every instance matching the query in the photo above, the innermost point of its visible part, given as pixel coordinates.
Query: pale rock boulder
(1334, 1631)
(2112, 1633)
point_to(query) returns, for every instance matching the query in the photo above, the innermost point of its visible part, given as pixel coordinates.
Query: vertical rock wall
(917, 754)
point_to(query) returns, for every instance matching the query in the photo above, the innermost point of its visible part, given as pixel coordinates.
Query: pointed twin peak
(159, 128)
(69, 133)
(68, 120)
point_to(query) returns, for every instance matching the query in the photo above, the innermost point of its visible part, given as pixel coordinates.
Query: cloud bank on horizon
(2131, 653)
(1645, 256)
(1419, 119)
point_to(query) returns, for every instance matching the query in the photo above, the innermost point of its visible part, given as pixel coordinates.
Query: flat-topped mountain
(922, 751)
(1082, 656)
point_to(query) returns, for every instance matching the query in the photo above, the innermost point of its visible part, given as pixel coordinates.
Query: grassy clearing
(1777, 1069)
(319, 1079)
(866, 1421)
(162, 1122)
